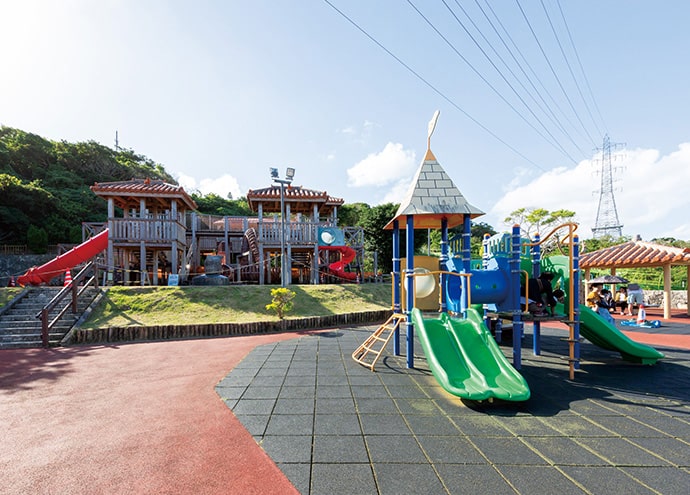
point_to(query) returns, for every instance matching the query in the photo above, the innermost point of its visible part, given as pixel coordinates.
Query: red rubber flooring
(134, 419)
(143, 418)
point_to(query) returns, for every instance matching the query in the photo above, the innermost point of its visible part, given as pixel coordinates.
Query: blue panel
(331, 236)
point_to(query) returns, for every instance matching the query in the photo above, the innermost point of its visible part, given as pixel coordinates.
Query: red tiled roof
(635, 254)
(137, 188)
(301, 200)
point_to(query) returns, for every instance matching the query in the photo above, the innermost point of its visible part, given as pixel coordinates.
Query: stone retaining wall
(171, 332)
(13, 265)
(679, 298)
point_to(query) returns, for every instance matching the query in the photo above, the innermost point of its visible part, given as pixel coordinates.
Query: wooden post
(667, 291)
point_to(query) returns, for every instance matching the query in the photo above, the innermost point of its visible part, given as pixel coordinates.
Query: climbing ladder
(376, 342)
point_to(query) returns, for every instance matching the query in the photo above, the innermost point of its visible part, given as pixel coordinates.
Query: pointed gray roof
(433, 196)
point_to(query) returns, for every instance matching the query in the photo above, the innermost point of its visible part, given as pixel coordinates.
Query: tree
(534, 220)
(46, 183)
(37, 239)
(213, 204)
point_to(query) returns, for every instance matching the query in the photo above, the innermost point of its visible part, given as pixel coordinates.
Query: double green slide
(466, 360)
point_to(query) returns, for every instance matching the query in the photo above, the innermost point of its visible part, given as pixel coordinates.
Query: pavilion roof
(127, 193)
(301, 200)
(635, 254)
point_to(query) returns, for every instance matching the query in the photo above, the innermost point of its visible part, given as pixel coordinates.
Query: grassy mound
(123, 306)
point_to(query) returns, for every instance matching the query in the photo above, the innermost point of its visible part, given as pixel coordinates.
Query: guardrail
(73, 289)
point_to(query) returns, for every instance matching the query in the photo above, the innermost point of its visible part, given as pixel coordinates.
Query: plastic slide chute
(601, 333)
(43, 274)
(466, 360)
(595, 328)
(347, 254)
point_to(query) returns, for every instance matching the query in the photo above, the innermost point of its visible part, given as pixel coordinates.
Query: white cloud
(360, 134)
(379, 169)
(397, 192)
(651, 193)
(222, 186)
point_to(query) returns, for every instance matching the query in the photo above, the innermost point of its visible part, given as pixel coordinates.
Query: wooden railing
(150, 230)
(295, 233)
(72, 289)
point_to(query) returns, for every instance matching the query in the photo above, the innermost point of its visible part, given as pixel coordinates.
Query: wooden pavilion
(149, 239)
(305, 211)
(639, 254)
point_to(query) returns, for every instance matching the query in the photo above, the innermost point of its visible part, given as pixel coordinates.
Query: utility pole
(607, 223)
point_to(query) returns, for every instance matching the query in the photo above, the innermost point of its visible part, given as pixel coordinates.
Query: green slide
(601, 333)
(466, 360)
(597, 330)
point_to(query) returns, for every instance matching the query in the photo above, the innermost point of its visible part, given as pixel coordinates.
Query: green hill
(45, 184)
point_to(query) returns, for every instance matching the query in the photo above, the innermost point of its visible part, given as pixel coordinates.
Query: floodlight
(289, 173)
(274, 172)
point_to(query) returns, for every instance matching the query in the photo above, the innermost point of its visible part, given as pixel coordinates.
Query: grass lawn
(7, 293)
(123, 306)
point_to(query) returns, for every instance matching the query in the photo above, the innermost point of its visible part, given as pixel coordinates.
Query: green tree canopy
(46, 183)
(538, 220)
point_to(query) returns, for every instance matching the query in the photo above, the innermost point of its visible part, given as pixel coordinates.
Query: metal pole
(282, 236)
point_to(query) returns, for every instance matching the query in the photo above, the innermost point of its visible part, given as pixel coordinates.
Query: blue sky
(219, 91)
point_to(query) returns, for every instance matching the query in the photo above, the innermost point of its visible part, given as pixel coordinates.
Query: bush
(281, 301)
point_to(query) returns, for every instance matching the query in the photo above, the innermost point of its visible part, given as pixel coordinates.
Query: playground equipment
(466, 360)
(461, 353)
(43, 274)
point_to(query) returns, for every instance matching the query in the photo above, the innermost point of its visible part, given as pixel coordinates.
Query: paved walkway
(128, 419)
(145, 418)
(333, 427)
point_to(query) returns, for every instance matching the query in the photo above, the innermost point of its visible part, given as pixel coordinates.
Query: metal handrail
(72, 288)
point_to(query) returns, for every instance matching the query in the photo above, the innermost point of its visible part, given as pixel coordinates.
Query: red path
(141, 418)
(137, 418)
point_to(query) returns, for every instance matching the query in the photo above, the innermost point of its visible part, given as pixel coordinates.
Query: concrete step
(19, 327)
(31, 337)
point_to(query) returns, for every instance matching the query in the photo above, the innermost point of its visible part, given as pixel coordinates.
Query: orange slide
(43, 274)
(347, 254)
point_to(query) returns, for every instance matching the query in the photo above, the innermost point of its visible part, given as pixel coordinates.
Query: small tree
(281, 301)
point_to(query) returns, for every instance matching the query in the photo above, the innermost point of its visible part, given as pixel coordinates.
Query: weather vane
(432, 126)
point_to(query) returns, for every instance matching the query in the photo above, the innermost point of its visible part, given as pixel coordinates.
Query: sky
(220, 91)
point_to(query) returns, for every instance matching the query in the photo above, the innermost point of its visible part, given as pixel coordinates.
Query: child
(621, 301)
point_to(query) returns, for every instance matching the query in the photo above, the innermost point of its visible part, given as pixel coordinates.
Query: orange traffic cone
(68, 278)
(641, 315)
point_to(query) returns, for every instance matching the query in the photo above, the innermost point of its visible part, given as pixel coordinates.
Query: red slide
(43, 274)
(347, 254)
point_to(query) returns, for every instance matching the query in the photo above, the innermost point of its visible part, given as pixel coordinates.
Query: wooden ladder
(376, 342)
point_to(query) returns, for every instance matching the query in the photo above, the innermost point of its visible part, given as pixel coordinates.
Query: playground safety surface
(152, 418)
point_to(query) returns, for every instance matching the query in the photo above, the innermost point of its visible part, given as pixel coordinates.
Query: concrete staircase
(19, 327)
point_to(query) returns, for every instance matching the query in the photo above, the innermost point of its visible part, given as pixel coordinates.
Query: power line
(553, 71)
(567, 63)
(514, 76)
(543, 87)
(554, 143)
(544, 106)
(582, 69)
(432, 87)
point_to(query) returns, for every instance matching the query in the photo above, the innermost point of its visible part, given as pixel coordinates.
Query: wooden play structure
(155, 232)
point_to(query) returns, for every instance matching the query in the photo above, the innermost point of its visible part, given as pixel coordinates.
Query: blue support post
(442, 262)
(409, 247)
(486, 256)
(536, 271)
(515, 296)
(575, 299)
(466, 263)
(396, 283)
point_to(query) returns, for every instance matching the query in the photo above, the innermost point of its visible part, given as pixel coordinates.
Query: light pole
(289, 175)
